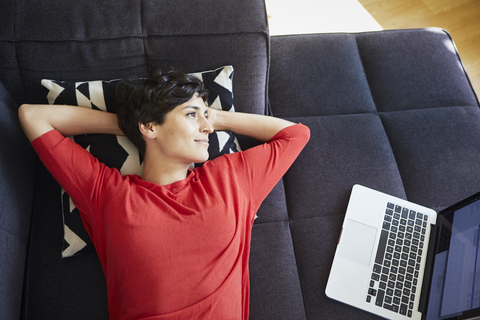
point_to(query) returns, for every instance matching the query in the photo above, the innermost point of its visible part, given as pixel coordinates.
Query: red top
(178, 251)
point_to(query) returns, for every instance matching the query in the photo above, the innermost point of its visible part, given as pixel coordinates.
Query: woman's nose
(206, 126)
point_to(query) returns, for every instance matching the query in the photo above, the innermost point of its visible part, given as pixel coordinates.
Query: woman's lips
(203, 141)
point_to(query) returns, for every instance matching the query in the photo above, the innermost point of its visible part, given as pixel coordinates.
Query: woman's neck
(162, 171)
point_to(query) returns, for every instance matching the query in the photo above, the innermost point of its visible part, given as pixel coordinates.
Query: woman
(174, 243)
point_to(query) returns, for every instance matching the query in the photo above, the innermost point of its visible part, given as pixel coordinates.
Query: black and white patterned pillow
(117, 151)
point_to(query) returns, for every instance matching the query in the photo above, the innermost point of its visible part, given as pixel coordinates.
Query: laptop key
(380, 296)
(381, 247)
(388, 299)
(403, 309)
(412, 214)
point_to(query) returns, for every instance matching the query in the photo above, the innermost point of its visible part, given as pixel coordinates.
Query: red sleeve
(74, 168)
(266, 164)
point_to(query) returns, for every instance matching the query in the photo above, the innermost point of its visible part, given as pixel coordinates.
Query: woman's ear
(147, 130)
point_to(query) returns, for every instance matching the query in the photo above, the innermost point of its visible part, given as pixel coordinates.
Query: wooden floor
(461, 18)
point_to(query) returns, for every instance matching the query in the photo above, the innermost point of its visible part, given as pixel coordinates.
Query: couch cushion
(342, 151)
(327, 72)
(275, 286)
(414, 69)
(314, 242)
(437, 151)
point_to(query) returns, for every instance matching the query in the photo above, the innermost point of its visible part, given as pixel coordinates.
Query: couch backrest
(85, 40)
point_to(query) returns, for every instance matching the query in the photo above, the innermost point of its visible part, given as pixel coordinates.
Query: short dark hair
(150, 99)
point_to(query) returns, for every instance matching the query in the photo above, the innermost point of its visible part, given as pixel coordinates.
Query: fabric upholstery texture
(119, 39)
(79, 41)
(17, 164)
(392, 110)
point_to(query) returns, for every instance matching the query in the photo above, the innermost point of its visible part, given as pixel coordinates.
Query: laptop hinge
(427, 276)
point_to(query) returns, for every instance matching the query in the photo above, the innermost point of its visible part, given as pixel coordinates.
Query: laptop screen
(455, 284)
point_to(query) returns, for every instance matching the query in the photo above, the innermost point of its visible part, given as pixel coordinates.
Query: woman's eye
(192, 114)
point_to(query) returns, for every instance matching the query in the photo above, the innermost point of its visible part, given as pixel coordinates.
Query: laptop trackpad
(357, 242)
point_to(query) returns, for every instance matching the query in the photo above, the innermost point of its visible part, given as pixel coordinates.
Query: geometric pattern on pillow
(117, 151)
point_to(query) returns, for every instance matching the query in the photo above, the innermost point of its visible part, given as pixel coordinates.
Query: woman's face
(184, 134)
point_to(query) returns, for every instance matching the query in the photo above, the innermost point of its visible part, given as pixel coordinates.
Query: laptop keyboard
(394, 280)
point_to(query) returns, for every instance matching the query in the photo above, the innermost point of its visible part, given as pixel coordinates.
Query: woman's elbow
(24, 113)
(31, 121)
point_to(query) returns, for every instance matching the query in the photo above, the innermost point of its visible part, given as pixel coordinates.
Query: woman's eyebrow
(195, 107)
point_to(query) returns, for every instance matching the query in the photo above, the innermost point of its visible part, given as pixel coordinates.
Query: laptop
(400, 260)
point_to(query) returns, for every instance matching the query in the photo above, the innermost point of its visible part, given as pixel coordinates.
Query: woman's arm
(68, 120)
(259, 127)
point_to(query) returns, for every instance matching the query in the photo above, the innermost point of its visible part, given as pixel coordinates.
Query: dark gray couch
(392, 110)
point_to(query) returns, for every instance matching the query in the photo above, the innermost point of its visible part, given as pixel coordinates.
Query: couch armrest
(17, 166)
